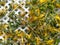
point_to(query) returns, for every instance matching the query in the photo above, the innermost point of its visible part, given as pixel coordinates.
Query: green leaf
(57, 41)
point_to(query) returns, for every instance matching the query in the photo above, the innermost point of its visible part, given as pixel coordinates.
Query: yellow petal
(41, 15)
(50, 41)
(58, 5)
(42, 1)
(57, 17)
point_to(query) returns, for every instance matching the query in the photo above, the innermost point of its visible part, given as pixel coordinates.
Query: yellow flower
(57, 17)
(41, 15)
(33, 18)
(15, 38)
(50, 42)
(5, 38)
(28, 36)
(28, 44)
(38, 11)
(5, 25)
(45, 34)
(57, 30)
(16, 31)
(14, 6)
(22, 40)
(58, 5)
(20, 34)
(38, 40)
(42, 1)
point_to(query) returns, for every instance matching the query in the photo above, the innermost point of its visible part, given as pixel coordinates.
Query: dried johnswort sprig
(29, 22)
(47, 26)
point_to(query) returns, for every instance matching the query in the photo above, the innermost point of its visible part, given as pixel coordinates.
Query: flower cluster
(29, 22)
